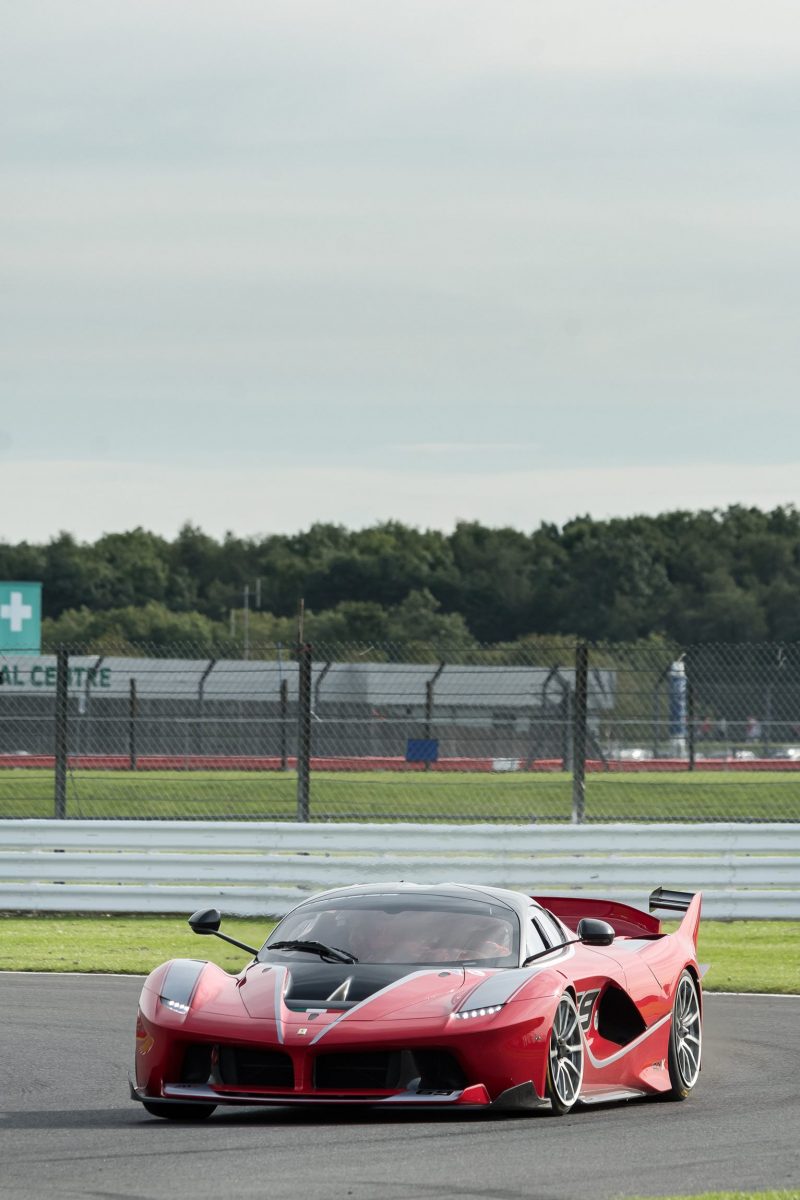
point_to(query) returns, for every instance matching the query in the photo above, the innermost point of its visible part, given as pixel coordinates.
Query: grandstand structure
(249, 708)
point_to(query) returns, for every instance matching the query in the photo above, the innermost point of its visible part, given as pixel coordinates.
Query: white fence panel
(265, 868)
(131, 898)
(243, 836)
(321, 871)
(723, 905)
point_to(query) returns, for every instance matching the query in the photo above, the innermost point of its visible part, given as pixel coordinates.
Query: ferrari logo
(303, 1029)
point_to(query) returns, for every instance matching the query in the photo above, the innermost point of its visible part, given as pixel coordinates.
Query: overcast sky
(268, 263)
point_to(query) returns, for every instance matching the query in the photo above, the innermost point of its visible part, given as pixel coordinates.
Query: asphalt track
(68, 1129)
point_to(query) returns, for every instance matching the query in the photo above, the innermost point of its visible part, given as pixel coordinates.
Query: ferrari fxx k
(414, 995)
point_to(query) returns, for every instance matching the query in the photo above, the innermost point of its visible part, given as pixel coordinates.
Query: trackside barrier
(263, 869)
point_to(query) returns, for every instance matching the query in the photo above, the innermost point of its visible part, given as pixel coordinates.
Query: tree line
(712, 576)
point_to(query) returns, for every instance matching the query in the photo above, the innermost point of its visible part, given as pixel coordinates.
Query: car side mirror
(595, 933)
(206, 920)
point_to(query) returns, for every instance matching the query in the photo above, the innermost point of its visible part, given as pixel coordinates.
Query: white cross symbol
(16, 612)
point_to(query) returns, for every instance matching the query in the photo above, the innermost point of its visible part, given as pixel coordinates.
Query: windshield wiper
(332, 952)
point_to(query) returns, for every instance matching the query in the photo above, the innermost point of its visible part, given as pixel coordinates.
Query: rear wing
(669, 901)
(689, 903)
(626, 920)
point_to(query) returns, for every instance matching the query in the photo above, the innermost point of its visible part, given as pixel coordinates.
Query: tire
(685, 1038)
(179, 1112)
(564, 1058)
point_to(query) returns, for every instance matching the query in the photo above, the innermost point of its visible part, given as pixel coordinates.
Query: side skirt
(615, 1094)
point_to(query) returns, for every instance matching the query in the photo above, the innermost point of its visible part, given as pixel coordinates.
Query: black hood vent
(339, 985)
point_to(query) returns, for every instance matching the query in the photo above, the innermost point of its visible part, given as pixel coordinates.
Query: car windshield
(419, 930)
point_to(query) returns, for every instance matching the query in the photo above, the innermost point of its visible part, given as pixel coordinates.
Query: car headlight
(467, 1013)
(179, 984)
(174, 1005)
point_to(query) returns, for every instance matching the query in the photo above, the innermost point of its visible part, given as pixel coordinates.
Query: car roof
(517, 901)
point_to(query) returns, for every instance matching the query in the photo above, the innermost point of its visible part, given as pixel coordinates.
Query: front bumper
(523, 1096)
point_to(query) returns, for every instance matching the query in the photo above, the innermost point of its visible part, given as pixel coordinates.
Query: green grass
(385, 795)
(123, 945)
(791, 1194)
(746, 956)
(750, 956)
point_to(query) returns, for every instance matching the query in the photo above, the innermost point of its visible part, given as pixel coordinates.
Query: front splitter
(475, 1096)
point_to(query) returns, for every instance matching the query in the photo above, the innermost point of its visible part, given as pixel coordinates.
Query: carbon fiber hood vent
(339, 985)
(323, 985)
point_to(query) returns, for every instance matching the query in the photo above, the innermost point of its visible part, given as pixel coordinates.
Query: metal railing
(265, 868)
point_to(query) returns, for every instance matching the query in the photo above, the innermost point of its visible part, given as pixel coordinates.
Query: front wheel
(564, 1058)
(179, 1112)
(685, 1038)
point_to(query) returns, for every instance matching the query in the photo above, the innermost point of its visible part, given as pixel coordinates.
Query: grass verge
(751, 956)
(791, 1194)
(745, 956)
(124, 945)
(387, 795)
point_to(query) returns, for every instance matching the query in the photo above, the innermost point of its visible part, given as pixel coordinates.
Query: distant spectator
(753, 729)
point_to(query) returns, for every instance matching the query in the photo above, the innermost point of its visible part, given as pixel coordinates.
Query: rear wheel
(179, 1112)
(685, 1038)
(564, 1058)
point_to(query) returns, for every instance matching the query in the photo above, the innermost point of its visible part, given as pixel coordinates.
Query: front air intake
(196, 1063)
(254, 1068)
(388, 1070)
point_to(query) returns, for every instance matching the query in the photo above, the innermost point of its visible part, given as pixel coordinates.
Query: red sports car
(430, 996)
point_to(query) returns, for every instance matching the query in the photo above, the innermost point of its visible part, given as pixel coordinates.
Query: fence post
(61, 733)
(304, 661)
(567, 730)
(766, 724)
(284, 694)
(201, 699)
(691, 724)
(430, 684)
(133, 710)
(579, 733)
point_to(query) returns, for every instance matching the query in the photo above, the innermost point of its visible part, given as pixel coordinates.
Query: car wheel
(179, 1112)
(564, 1058)
(685, 1038)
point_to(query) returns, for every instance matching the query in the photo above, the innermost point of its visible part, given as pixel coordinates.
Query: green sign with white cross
(20, 618)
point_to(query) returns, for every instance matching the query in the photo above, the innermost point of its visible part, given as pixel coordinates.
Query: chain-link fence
(540, 731)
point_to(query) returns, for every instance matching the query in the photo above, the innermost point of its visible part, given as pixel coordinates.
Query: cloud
(425, 39)
(304, 236)
(89, 498)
